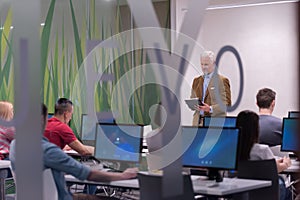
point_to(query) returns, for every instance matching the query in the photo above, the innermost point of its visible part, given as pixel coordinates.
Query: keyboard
(93, 165)
(111, 170)
(97, 167)
(295, 166)
(295, 162)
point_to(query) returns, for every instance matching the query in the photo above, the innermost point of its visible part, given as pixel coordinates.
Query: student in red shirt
(58, 131)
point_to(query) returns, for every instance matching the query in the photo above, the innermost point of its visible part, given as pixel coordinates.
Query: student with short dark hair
(58, 132)
(270, 126)
(60, 163)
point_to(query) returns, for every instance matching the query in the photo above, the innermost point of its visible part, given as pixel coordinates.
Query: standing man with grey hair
(269, 126)
(208, 87)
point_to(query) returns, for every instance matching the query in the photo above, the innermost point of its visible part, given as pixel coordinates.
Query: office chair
(49, 187)
(151, 187)
(260, 170)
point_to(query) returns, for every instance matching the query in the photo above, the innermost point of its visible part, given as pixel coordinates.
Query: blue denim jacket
(60, 164)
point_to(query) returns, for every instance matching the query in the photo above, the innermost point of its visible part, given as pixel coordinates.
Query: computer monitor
(290, 135)
(294, 114)
(119, 142)
(88, 127)
(106, 117)
(228, 121)
(50, 115)
(213, 148)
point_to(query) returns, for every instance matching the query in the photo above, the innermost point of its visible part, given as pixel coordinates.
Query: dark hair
(265, 97)
(62, 105)
(44, 115)
(248, 121)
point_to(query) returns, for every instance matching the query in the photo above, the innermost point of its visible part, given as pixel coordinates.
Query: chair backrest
(261, 170)
(49, 187)
(151, 187)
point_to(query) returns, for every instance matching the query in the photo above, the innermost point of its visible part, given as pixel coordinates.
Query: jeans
(285, 193)
(89, 189)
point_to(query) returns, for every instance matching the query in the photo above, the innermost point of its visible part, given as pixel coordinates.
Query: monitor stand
(214, 174)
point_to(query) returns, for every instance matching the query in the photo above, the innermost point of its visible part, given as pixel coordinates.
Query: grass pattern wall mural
(68, 25)
(6, 59)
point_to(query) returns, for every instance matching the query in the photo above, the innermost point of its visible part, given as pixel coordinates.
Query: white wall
(266, 38)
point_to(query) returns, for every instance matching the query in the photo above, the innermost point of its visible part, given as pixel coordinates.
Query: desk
(293, 175)
(131, 183)
(294, 168)
(229, 186)
(4, 166)
(73, 152)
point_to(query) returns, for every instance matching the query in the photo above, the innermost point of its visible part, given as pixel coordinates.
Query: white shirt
(261, 152)
(205, 84)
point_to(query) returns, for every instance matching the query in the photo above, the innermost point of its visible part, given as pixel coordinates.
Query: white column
(26, 48)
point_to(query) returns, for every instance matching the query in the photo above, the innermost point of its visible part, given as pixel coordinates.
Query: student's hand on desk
(130, 173)
(286, 161)
(90, 149)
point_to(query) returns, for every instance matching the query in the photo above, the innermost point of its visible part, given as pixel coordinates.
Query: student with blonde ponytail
(7, 134)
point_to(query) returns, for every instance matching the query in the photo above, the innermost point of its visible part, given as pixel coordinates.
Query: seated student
(60, 163)
(270, 127)
(58, 132)
(250, 149)
(7, 134)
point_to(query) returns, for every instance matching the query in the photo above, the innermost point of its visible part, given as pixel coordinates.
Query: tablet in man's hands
(192, 102)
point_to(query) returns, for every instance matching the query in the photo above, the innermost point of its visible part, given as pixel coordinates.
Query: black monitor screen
(118, 142)
(50, 115)
(88, 127)
(290, 135)
(294, 114)
(214, 148)
(219, 121)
